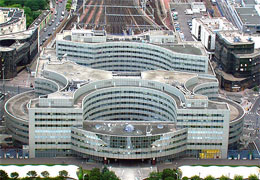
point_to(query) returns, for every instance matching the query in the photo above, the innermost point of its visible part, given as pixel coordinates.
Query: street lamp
(177, 176)
(3, 70)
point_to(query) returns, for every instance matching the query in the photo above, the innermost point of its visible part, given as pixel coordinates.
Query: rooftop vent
(129, 128)
(237, 39)
(160, 126)
(97, 126)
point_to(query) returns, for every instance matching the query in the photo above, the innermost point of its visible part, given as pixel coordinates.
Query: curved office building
(96, 114)
(150, 51)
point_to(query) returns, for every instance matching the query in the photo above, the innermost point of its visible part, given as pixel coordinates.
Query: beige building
(12, 20)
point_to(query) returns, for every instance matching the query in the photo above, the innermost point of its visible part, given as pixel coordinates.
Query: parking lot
(183, 23)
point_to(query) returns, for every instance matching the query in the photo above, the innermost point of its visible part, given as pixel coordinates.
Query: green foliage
(195, 178)
(185, 178)
(224, 178)
(109, 175)
(154, 176)
(238, 177)
(32, 174)
(14, 175)
(80, 173)
(95, 172)
(252, 177)
(68, 6)
(45, 174)
(255, 89)
(63, 173)
(169, 178)
(3, 174)
(209, 178)
(168, 173)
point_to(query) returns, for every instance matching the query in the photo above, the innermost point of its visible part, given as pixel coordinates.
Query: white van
(188, 12)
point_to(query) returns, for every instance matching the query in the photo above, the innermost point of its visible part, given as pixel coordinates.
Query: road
(44, 35)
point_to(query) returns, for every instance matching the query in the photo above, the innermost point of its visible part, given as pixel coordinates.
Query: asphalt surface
(44, 35)
(183, 19)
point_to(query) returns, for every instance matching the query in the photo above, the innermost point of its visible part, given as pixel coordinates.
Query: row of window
(124, 49)
(55, 114)
(196, 120)
(44, 119)
(201, 115)
(53, 143)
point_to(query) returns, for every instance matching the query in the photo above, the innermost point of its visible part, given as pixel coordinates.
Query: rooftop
(216, 24)
(193, 49)
(14, 15)
(17, 105)
(129, 128)
(237, 37)
(248, 15)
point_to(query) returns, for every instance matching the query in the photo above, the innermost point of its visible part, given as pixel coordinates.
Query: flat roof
(17, 105)
(216, 24)
(248, 15)
(249, 2)
(132, 128)
(183, 48)
(236, 111)
(15, 15)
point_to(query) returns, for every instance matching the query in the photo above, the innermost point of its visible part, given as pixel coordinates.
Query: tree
(168, 173)
(169, 178)
(255, 89)
(209, 178)
(63, 173)
(105, 169)
(238, 177)
(14, 175)
(32, 4)
(94, 178)
(80, 173)
(32, 174)
(95, 172)
(3, 175)
(224, 178)
(185, 178)
(45, 174)
(154, 176)
(109, 175)
(195, 178)
(252, 177)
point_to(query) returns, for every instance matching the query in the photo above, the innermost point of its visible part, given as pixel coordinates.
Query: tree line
(94, 174)
(32, 8)
(175, 174)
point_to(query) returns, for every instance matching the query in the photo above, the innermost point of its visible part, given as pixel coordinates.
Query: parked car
(44, 29)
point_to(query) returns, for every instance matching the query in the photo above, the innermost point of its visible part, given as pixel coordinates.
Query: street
(50, 29)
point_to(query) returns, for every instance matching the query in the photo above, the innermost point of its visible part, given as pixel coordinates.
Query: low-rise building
(12, 20)
(237, 60)
(204, 30)
(16, 51)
